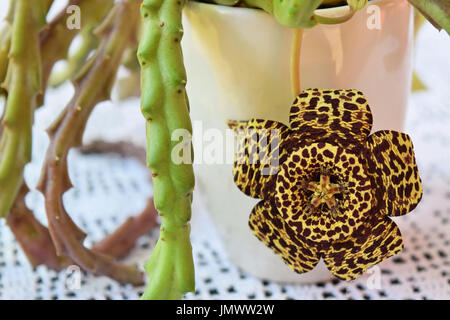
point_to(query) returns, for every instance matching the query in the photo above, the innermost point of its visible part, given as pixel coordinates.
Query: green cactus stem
(289, 13)
(165, 107)
(92, 85)
(23, 84)
(266, 5)
(33, 237)
(298, 13)
(24, 67)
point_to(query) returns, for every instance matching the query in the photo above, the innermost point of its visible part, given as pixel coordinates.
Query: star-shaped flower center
(324, 192)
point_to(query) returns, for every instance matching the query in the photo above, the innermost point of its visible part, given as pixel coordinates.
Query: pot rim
(327, 12)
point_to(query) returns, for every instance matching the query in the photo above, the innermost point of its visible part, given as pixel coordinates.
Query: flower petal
(352, 257)
(258, 155)
(270, 228)
(392, 167)
(341, 117)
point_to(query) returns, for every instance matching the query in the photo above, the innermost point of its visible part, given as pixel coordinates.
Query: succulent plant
(29, 48)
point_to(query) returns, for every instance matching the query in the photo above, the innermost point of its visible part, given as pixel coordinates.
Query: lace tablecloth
(108, 189)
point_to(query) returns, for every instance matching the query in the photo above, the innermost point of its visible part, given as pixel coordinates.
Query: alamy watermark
(374, 279)
(73, 276)
(215, 146)
(74, 19)
(374, 19)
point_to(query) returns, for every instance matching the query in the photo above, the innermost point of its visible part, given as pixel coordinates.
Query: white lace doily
(108, 189)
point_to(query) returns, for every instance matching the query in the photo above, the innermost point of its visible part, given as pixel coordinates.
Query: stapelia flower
(335, 187)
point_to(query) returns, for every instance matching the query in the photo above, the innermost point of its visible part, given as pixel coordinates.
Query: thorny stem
(5, 37)
(26, 228)
(92, 86)
(26, 80)
(119, 243)
(166, 108)
(33, 237)
(22, 84)
(29, 232)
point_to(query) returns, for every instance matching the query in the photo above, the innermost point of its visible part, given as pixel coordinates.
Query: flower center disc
(323, 193)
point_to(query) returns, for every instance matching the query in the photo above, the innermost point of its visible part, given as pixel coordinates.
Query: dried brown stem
(92, 86)
(55, 40)
(33, 237)
(122, 241)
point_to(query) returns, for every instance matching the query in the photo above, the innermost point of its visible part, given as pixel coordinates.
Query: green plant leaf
(436, 11)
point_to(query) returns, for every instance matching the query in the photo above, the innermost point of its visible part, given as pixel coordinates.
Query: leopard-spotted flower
(335, 187)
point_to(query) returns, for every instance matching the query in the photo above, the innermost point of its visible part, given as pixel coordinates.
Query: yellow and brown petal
(269, 227)
(258, 155)
(392, 166)
(371, 244)
(341, 117)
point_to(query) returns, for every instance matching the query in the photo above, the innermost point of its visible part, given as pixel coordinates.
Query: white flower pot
(237, 62)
